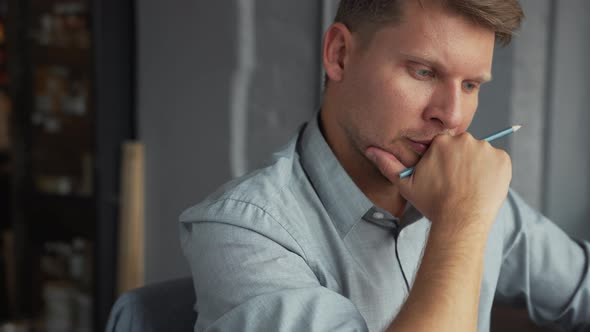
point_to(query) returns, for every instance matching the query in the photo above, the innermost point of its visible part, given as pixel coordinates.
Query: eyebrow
(483, 78)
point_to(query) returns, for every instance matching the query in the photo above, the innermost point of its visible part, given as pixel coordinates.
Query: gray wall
(221, 84)
(211, 77)
(550, 95)
(567, 198)
(532, 58)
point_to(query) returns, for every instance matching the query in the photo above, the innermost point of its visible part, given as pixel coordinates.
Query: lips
(419, 147)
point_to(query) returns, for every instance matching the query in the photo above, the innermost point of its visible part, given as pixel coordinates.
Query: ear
(336, 50)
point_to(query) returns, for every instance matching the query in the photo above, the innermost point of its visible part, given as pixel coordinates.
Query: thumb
(389, 166)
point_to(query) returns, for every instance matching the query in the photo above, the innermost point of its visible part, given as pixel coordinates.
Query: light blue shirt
(297, 246)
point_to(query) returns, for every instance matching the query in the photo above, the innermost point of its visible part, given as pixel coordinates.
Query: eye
(470, 86)
(425, 73)
(421, 73)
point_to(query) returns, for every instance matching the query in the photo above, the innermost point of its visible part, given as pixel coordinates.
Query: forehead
(435, 33)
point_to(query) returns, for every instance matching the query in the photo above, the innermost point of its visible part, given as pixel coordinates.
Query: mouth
(419, 147)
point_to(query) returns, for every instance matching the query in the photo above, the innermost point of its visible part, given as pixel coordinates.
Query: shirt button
(378, 215)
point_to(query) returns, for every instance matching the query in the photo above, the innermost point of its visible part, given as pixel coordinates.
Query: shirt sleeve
(543, 269)
(247, 281)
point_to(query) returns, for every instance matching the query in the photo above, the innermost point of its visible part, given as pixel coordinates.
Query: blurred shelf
(62, 56)
(48, 5)
(59, 217)
(69, 123)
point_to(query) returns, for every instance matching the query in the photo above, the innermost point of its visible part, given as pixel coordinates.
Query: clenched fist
(459, 183)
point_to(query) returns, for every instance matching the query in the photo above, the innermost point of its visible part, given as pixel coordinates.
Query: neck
(363, 173)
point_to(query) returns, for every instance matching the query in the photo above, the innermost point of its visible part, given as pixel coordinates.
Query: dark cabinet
(66, 106)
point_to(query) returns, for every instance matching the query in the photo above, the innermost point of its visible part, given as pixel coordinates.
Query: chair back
(164, 306)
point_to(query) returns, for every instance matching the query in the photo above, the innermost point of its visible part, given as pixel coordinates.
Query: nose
(446, 106)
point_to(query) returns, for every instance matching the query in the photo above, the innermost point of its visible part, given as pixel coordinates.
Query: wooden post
(131, 257)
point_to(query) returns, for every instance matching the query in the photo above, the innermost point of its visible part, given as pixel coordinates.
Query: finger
(387, 164)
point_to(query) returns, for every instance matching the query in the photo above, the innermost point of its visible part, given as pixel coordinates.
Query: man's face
(413, 81)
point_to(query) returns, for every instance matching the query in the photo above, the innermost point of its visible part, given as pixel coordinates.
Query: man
(329, 238)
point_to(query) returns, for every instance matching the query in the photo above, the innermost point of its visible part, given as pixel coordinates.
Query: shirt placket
(383, 218)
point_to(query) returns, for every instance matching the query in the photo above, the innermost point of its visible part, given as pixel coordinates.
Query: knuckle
(439, 142)
(484, 145)
(466, 135)
(466, 139)
(440, 138)
(504, 158)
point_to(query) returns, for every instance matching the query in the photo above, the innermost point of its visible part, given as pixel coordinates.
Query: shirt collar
(344, 201)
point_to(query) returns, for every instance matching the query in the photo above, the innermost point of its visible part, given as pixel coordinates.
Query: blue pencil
(495, 136)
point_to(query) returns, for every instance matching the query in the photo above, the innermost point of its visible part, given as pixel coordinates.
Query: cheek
(384, 102)
(415, 92)
(407, 97)
(469, 113)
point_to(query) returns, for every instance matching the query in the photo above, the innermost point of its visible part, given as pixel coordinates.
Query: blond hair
(501, 16)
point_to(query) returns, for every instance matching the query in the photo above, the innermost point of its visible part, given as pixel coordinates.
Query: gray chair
(164, 306)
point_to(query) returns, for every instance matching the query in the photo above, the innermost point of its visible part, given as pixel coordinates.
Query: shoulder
(515, 211)
(517, 218)
(258, 201)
